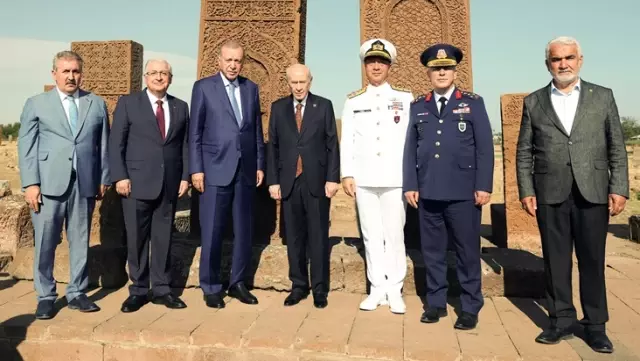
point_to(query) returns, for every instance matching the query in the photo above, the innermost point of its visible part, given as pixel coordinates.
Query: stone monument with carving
(414, 25)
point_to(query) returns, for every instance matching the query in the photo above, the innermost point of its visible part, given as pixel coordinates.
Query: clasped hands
(330, 190)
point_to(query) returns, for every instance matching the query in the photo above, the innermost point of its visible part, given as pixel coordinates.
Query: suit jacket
(316, 143)
(138, 152)
(448, 156)
(548, 158)
(46, 145)
(216, 142)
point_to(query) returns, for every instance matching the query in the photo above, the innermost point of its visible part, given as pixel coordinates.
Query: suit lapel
(85, 103)
(290, 116)
(243, 101)
(147, 110)
(585, 91)
(431, 105)
(56, 103)
(173, 118)
(219, 85)
(545, 102)
(308, 114)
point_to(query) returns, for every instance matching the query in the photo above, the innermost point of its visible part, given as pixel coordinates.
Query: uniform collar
(446, 95)
(378, 89)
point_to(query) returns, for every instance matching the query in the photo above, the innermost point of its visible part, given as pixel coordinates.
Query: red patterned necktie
(299, 124)
(160, 117)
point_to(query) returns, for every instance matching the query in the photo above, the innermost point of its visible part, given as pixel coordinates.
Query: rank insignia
(458, 95)
(465, 110)
(425, 113)
(462, 126)
(462, 105)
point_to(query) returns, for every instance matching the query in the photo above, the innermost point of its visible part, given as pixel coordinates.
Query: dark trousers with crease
(149, 224)
(574, 222)
(306, 221)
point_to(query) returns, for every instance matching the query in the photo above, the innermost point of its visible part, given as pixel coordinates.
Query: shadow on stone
(532, 308)
(6, 283)
(9, 329)
(623, 231)
(519, 273)
(496, 233)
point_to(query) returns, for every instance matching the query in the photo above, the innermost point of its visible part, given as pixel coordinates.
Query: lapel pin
(314, 105)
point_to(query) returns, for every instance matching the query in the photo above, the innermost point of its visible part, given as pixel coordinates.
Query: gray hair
(160, 61)
(230, 44)
(298, 66)
(565, 40)
(67, 55)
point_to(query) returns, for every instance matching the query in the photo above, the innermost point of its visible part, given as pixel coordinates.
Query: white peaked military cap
(378, 47)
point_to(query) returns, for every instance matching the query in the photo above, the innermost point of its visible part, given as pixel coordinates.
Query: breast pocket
(421, 128)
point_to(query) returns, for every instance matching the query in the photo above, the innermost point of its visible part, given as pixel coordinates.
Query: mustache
(72, 82)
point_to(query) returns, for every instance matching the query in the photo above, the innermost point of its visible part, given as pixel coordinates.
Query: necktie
(160, 117)
(442, 101)
(299, 124)
(73, 115)
(234, 103)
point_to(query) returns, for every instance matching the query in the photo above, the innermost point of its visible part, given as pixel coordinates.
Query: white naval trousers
(382, 213)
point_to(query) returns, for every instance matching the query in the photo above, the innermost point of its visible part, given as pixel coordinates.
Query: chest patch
(462, 126)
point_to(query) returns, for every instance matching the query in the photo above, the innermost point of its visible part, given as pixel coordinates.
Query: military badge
(462, 126)
(462, 105)
(442, 54)
(465, 110)
(396, 119)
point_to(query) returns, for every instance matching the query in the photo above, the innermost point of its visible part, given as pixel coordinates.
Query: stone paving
(270, 331)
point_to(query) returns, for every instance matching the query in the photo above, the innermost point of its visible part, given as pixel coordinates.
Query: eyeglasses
(154, 73)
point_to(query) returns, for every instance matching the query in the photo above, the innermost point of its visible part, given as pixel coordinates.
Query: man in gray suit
(62, 150)
(572, 175)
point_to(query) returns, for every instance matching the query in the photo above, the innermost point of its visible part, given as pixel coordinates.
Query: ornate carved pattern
(412, 26)
(272, 34)
(520, 227)
(111, 68)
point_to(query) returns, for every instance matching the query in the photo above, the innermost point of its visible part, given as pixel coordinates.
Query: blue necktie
(73, 115)
(234, 102)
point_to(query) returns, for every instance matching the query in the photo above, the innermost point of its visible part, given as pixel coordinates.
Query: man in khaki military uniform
(374, 126)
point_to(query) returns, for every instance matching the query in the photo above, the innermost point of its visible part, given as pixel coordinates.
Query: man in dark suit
(148, 158)
(303, 171)
(448, 176)
(572, 175)
(226, 161)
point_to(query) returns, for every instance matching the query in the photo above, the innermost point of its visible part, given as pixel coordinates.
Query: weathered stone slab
(522, 231)
(16, 230)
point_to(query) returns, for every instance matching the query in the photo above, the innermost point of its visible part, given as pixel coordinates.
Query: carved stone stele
(412, 26)
(522, 230)
(111, 68)
(272, 33)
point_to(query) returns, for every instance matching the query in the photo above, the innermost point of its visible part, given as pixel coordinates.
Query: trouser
(382, 214)
(306, 220)
(575, 221)
(461, 220)
(75, 211)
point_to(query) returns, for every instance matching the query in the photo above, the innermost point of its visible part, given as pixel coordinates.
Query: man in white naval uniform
(374, 125)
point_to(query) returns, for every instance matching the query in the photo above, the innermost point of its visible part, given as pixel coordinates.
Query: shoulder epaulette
(418, 98)
(356, 93)
(400, 89)
(470, 94)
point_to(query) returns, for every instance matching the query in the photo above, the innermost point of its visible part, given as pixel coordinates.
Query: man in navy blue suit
(448, 176)
(226, 163)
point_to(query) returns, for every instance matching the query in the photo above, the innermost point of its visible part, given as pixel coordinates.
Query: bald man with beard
(303, 171)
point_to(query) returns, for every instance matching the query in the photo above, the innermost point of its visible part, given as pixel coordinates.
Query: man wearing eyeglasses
(148, 153)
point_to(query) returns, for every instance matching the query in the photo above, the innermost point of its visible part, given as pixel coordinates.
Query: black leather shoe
(433, 314)
(83, 304)
(214, 300)
(45, 310)
(169, 300)
(554, 335)
(320, 300)
(295, 297)
(240, 292)
(466, 321)
(133, 303)
(598, 341)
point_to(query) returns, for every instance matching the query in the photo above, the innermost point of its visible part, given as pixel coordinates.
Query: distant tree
(630, 127)
(10, 130)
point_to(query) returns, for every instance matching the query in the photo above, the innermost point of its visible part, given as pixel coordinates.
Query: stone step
(504, 272)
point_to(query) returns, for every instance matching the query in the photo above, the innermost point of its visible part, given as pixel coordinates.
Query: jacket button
(570, 142)
(569, 163)
(437, 155)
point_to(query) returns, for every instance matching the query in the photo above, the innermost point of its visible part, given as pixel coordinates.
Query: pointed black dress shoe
(295, 297)
(134, 303)
(433, 314)
(45, 310)
(598, 341)
(83, 304)
(466, 321)
(554, 335)
(169, 300)
(320, 300)
(214, 300)
(240, 292)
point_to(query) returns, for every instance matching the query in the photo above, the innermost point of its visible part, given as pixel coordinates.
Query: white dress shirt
(165, 106)
(236, 91)
(446, 95)
(303, 102)
(565, 105)
(65, 103)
